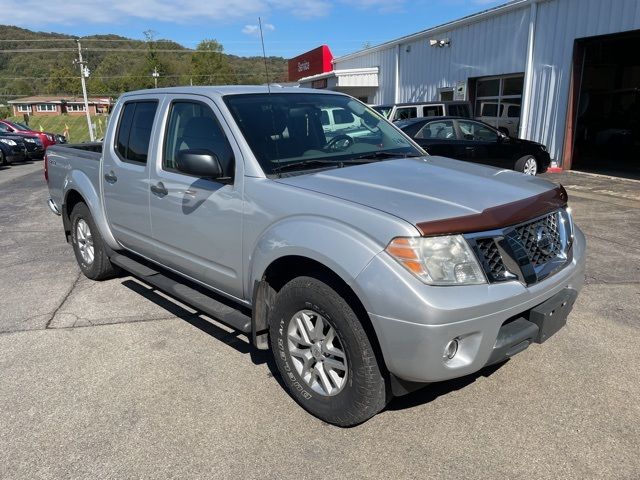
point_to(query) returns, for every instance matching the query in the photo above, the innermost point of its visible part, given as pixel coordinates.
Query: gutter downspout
(396, 94)
(528, 76)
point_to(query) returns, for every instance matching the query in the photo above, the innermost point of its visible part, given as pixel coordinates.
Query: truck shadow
(230, 337)
(240, 342)
(431, 392)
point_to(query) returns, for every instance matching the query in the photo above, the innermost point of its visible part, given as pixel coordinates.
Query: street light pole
(84, 72)
(155, 74)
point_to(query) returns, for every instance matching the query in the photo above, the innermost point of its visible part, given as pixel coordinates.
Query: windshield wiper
(382, 155)
(302, 164)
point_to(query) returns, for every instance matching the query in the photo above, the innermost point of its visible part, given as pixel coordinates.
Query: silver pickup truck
(369, 268)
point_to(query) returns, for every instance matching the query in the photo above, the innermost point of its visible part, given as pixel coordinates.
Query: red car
(19, 128)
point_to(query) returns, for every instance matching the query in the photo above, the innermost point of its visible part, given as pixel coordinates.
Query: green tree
(209, 66)
(64, 80)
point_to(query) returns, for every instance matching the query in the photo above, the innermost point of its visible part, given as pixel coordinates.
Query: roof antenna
(264, 55)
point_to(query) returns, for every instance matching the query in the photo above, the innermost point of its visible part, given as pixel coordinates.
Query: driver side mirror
(199, 162)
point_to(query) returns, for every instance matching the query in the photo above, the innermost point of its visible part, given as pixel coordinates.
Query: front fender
(336, 245)
(81, 183)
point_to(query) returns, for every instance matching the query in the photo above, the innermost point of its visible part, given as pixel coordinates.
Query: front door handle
(110, 177)
(159, 189)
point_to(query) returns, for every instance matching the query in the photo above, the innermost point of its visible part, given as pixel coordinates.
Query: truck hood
(425, 189)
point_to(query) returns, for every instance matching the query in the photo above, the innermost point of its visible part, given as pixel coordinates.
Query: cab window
(193, 126)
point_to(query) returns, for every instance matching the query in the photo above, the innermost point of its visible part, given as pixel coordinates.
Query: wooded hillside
(38, 63)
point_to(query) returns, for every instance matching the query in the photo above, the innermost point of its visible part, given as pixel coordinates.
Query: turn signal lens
(444, 260)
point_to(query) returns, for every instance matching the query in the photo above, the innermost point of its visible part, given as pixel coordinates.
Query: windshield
(20, 126)
(294, 131)
(383, 110)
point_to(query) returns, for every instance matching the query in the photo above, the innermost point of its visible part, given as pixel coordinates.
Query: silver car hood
(423, 189)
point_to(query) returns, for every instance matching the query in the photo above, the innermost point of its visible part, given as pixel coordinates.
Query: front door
(197, 222)
(125, 177)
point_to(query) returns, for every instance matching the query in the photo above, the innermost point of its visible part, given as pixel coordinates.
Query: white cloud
(182, 11)
(255, 29)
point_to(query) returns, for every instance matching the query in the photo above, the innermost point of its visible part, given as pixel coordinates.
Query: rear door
(197, 222)
(125, 176)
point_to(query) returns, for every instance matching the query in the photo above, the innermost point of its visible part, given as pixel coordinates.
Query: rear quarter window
(134, 130)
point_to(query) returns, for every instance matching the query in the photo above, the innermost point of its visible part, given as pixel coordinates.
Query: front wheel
(324, 354)
(527, 165)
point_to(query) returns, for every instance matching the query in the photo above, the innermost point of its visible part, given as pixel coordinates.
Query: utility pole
(155, 74)
(84, 72)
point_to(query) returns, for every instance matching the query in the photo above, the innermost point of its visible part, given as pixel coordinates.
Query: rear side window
(134, 131)
(404, 113)
(432, 111)
(442, 130)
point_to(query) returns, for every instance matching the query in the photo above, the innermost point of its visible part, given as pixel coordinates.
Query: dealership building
(565, 73)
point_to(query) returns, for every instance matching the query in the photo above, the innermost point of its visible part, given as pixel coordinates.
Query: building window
(445, 94)
(46, 107)
(24, 108)
(498, 101)
(76, 107)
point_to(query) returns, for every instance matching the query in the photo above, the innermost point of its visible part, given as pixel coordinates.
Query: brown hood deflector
(500, 216)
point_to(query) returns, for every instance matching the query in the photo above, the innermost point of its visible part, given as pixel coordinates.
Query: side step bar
(182, 289)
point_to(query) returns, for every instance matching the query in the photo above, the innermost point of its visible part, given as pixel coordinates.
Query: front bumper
(414, 322)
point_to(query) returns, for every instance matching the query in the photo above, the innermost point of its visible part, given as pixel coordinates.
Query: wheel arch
(284, 269)
(79, 188)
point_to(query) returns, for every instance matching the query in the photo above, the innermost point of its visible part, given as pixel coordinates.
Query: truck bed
(67, 162)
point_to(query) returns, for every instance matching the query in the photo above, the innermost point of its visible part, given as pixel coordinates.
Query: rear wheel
(324, 354)
(527, 165)
(88, 245)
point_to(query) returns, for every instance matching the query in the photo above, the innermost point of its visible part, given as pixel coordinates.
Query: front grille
(529, 234)
(530, 251)
(493, 263)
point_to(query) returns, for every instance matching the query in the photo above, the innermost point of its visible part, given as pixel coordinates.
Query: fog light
(451, 349)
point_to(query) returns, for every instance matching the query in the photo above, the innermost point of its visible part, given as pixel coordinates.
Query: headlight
(543, 148)
(50, 137)
(8, 141)
(438, 260)
(29, 140)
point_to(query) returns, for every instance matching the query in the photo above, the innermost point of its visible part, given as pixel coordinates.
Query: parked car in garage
(20, 128)
(404, 111)
(504, 116)
(12, 149)
(475, 141)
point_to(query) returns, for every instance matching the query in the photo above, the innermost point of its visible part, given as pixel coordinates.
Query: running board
(179, 288)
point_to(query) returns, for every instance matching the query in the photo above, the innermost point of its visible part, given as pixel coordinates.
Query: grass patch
(78, 128)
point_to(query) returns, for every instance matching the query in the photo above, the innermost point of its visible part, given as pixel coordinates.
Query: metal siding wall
(498, 45)
(385, 60)
(492, 47)
(559, 24)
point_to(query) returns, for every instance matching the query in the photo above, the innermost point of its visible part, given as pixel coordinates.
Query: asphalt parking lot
(114, 380)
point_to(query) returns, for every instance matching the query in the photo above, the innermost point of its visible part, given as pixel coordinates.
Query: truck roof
(220, 90)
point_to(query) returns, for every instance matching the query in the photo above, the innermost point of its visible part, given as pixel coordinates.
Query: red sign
(310, 63)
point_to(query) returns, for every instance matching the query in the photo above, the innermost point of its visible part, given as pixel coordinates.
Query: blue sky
(291, 26)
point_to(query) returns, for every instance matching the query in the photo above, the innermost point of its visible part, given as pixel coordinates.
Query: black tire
(521, 163)
(3, 159)
(100, 268)
(364, 392)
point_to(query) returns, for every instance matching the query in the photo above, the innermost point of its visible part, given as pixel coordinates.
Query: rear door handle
(159, 189)
(110, 177)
